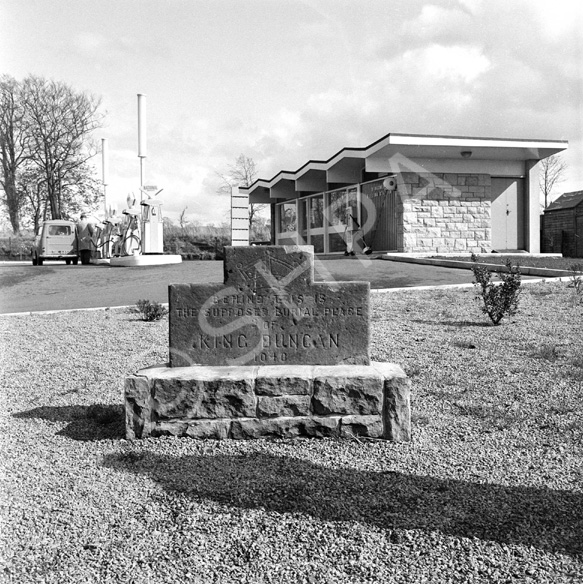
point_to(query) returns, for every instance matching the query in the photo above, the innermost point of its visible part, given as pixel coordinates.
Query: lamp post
(142, 138)
(104, 172)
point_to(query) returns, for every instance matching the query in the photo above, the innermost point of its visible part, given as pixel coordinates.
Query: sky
(285, 81)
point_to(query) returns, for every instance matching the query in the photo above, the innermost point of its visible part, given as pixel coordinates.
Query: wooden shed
(562, 226)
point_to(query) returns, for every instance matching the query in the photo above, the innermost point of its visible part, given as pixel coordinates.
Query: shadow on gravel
(546, 519)
(94, 422)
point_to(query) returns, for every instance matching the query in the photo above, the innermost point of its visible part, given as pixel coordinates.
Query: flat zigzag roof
(411, 140)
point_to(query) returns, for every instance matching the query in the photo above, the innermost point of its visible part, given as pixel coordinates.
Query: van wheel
(39, 261)
(75, 261)
(68, 262)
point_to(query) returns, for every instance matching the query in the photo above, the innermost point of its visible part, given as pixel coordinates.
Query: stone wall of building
(444, 213)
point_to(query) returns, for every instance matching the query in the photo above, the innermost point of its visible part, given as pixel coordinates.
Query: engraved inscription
(269, 311)
(269, 306)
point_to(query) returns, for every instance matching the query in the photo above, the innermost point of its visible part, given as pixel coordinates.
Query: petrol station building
(413, 193)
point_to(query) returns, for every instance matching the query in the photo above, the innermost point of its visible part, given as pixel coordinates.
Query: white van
(57, 240)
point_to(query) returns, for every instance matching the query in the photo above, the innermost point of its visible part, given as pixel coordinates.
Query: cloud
(496, 68)
(453, 64)
(439, 24)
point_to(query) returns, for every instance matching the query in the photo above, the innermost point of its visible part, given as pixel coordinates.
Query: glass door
(316, 220)
(343, 217)
(287, 232)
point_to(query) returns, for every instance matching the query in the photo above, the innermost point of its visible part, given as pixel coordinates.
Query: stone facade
(444, 213)
(277, 401)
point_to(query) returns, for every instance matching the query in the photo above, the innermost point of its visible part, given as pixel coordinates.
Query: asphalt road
(56, 286)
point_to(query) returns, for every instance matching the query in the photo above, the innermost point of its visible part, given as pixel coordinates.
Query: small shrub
(500, 299)
(575, 369)
(576, 279)
(546, 351)
(419, 420)
(150, 311)
(464, 344)
(412, 370)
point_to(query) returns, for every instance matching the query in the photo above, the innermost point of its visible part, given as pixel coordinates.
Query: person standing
(352, 227)
(85, 237)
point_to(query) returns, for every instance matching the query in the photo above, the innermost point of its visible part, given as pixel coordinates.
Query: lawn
(524, 260)
(489, 490)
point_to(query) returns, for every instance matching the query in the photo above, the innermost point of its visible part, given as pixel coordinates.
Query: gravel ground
(489, 490)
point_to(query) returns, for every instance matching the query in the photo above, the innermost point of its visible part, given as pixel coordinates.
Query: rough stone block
(218, 402)
(284, 380)
(369, 426)
(283, 406)
(138, 409)
(410, 177)
(203, 392)
(397, 410)
(397, 402)
(436, 193)
(346, 390)
(201, 429)
(315, 427)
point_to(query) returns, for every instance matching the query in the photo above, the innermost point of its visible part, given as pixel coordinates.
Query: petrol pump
(152, 224)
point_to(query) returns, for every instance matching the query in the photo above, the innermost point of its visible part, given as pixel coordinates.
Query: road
(56, 286)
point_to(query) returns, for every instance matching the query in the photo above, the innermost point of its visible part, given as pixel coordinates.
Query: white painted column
(104, 172)
(532, 206)
(142, 150)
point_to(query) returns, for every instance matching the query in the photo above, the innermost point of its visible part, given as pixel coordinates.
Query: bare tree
(80, 190)
(182, 219)
(552, 171)
(14, 146)
(241, 174)
(61, 121)
(34, 207)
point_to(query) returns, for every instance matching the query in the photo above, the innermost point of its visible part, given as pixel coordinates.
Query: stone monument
(269, 353)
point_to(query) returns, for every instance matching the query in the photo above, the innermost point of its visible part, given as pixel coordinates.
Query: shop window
(336, 242)
(316, 212)
(318, 242)
(336, 207)
(287, 218)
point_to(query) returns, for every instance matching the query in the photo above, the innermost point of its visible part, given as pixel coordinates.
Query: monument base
(269, 401)
(145, 260)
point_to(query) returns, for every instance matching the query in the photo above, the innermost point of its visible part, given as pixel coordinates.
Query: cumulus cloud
(496, 68)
